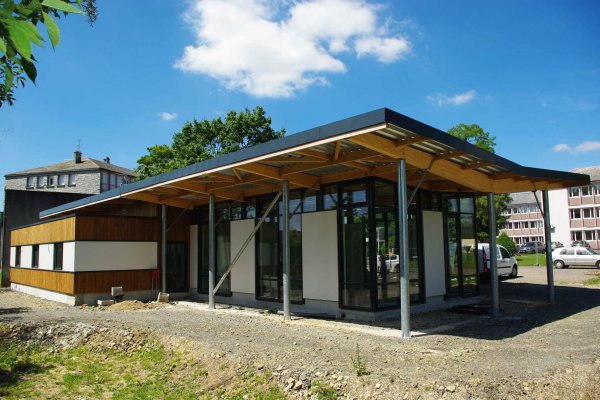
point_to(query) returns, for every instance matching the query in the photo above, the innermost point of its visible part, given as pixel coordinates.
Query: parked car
(532, 247)
(556, 245)
(507, 265)
(581, 243)
(567, 256)
(392, 262)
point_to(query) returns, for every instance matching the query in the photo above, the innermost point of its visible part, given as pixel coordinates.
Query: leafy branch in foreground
(19, 21)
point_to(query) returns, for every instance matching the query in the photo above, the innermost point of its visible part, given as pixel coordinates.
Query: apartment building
(525, 222)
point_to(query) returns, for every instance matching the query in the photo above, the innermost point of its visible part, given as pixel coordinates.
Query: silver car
(567, 256)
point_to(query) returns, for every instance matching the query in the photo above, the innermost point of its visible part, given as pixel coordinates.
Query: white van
(507, 265)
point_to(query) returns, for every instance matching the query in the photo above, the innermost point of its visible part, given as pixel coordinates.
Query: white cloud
(167, 116)
(440, 99)
(583, 147)
(271, 49)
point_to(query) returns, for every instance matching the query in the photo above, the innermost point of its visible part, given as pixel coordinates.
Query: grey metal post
(548, 238)
(163, 248)
(211, 251)
(403, 250)
(493, 250)
(286, 251)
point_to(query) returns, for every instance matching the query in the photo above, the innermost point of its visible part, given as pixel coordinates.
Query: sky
(528, 72)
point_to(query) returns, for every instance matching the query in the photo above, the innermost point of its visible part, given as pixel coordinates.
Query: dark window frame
(58, 257)
(35, 256)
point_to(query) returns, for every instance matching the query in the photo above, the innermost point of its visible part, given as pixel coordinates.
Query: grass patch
(323, 391)
(593, 281)
(151, 372)
(528, 260)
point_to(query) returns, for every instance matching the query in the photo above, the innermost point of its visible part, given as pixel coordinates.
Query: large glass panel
(453, 256)
(267, 258)
(295, 257)
(468, 253)
(176, 267)
(414, 272)
(223, 254)
(329, 197)
(388, 260)
(356, 271)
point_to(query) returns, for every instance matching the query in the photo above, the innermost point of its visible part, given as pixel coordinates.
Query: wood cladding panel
(102, 281)
(62, 282)
(117, 228)
(62, 230)
(180, 231)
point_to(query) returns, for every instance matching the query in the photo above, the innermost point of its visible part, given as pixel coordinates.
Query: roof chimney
(77, 157)
(107, 159)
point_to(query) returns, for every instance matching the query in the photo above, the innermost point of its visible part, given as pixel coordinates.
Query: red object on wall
(155, 274)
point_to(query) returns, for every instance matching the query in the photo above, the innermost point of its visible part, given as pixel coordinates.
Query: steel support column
(286, 251)
(403, 250)
(211, 251)
(493, 253)
(548, 239)
(163, 248)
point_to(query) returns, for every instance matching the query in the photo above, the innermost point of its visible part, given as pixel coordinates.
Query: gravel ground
(533, 350)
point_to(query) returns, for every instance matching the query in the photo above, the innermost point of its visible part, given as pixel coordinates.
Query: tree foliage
(474, 134)
(477, 136)
(19, 21)
(507, 242)
(205, 139)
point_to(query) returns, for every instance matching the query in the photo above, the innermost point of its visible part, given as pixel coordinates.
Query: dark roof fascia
(361, 121)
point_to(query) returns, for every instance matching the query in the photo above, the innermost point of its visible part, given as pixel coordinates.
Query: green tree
(507, 242)
(477, 136)
(474, 134)
(19, 22)
(205, 139)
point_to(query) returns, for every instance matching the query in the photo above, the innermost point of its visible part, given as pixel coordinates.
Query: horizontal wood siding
(102, 281)
(62, 230)
(117, 228)
(62, 282)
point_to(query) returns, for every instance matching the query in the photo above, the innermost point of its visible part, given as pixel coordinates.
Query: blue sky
(526, 71)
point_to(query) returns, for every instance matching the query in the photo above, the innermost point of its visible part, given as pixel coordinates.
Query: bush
(507, 242)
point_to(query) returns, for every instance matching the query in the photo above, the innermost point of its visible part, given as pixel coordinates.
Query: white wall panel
(107, 256)
(13, 256)
(559, 216)
(69, 256)
(46, 256)
(242, 276)
(433, 250)
(320, 256)
(26, 252)
(193, 258)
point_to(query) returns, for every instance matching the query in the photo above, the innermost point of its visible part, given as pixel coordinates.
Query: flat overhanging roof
(365, 145)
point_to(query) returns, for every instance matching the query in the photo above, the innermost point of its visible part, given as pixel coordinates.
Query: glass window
(35, 256)
(269, 243)
(310, 201)
(574, 192)
(582, 252)
(354, 193)
(250, 208)
(72, 179)
(17, 256)
(597, 189)
(113, 181)
(466, 205)
(588, 213)
(40, 181)
(356, 269)
(577, 235)
(588, 235)
(30, 182)
(504, 252)
(586, 191)
(330, 197)
(50, 180)
(58, 257)
(576, 213)
(105, 181)
(61, 180)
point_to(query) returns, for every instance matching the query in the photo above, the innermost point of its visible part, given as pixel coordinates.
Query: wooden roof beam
(478, 165)
(228, 194)
(268, 171)
(150, 198)
(450, 154)
(406, 142)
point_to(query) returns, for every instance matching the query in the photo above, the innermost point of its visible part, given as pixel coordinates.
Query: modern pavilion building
(381, 217)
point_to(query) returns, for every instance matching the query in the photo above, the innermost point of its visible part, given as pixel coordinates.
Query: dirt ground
(533, 350)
